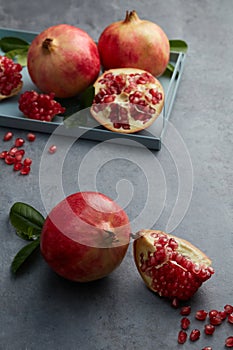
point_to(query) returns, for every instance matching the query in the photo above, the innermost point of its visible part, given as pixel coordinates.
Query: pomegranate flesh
(63, 59)
(10, 77)
(170, 266)
(134, 43)
(127, 100)
(85, 236)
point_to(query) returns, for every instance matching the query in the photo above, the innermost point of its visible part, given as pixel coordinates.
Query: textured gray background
(39, 310)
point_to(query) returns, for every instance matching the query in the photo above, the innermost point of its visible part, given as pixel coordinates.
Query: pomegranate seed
(185, 322)
(27, 161)
(201, 315)
(185, 310)
(222, 314)
(13, 151)
(3, 154)
(213, 313)
(19, 142)
(216, 320)
(195, 335)
(229, 342)
(18, 157)
(182, 337)
(52, 149)
(9, 159)
(207, 348)
(31, 137)
(8, 136)
(25, 170)
(18, 166)
(228, 308)
(230, 318)
(20, 151)
(209, 329)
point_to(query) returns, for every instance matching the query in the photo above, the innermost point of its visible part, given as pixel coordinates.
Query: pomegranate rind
(144, 245)
(122, 100)
(14, 92)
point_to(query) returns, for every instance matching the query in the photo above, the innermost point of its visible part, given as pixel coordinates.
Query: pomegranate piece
(63, 59)
(195, 335)
(182, 337)
(8, 136)
(201, 315)
(209, 329)
(185, 323)
(127, 100)
(39, 106)
(185, 310)
(169, 265)
(134, 43)
(10, 77)
(229, 342)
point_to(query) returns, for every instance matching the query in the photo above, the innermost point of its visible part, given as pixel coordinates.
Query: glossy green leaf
(12, 43)
(178, 46)
(24, 254)
(87, 97)
(27, 221)
(19, 55)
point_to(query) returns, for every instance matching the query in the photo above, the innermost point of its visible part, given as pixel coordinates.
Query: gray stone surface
(39, 310)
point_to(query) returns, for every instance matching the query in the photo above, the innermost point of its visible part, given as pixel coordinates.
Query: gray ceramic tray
(10, 116)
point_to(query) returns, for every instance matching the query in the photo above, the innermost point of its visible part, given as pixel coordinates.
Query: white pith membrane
(169, 265)
(127, 100)
(10, 78)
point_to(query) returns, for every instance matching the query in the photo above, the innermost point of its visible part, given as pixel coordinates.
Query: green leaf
(19, 55)
(9, 43)
(23, 255)
(27, 221)
(87, 97)
(170, 67)
(178, 46)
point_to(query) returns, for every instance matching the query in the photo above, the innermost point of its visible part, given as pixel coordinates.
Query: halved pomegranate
(169, 265)
(10, 77)
(127, 99)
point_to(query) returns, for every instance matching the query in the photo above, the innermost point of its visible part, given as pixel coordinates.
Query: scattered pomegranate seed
(230, 318)
(52, 149)
(3, 154)
(207, 348)
(229, 342)
(182, 337)
(18, 166)
(25, 170)
(185, 310)
(213, 313)
(8, 136)
(13, 151)
(185, 323)
(228, 308)
(27, 161)
(195, 335)
(31, 137)
(223, 314)
(201, 315)
(19, 142)
(216, 320)
(9, 159)
(209, 329)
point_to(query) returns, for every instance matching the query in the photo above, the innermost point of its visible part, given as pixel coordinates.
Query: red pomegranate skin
(73, 240)
(134, 43)
(69, 66)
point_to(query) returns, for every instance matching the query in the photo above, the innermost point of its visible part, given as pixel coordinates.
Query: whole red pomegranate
(170, 266)
(127, 99)
(63, 59)
(10, 77)
(134, 43)
(85, 236)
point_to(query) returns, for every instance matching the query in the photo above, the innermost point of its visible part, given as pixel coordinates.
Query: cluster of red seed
(15, 155)
(215, 318)
(10, 76)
